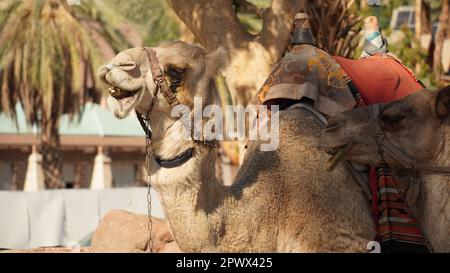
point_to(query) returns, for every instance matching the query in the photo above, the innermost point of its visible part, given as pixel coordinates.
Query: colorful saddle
(334, 83)
(308, 72)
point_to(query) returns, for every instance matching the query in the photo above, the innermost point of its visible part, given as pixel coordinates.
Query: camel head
(415, 125)
(187, 68)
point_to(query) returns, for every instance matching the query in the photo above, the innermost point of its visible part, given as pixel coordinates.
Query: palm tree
(153, 19)
(49, 53)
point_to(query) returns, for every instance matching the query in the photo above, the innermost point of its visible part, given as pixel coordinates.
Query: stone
(123, 231)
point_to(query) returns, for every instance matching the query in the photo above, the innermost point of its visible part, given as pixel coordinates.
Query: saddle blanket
(380, 79)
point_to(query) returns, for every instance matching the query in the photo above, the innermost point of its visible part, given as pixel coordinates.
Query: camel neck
(443, 157)
(192, 199)
(432, 207)
(190, 194)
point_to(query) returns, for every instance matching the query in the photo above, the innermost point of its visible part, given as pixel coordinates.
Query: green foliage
(261, 3)
(251, 22)
(384, 12)
(414, 57)
(153, 18)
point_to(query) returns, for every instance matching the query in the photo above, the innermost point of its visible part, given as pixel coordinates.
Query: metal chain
(149, 196)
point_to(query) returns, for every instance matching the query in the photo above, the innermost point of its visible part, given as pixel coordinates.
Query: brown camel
(280, 202)
(410, 134)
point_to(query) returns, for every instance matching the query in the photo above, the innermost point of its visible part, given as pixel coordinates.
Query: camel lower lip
(337, 156)
(124, 101)
(127, 102)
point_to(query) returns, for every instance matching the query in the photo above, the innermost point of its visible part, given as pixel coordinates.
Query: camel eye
(392, 123)
(174, 76)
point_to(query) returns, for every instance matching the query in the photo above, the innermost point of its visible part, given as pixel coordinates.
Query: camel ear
(443, 102)
(216, 60)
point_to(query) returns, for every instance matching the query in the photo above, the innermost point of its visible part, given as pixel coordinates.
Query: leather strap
(319, 118)
(177, 161)
(147, 131)
(160, 80)
(388, 147)
(163, 87)
(411, 163)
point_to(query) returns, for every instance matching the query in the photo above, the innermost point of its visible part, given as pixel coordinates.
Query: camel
(419, 127)
(280, 200)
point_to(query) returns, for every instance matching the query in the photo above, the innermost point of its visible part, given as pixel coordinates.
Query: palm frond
(49, 55)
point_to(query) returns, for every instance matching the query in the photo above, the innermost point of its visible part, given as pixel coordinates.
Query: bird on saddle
(327, 85)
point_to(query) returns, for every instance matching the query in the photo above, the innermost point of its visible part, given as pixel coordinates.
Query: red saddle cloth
(380, 79)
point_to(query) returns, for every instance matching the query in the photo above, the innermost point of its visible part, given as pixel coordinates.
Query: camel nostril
(125, 66)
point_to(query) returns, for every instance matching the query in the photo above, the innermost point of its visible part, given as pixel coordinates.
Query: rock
(122, 231)
(49, 250)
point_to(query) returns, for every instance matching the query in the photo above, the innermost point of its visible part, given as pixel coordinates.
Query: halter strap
(409, 162)
(163, 87)
(160, 80)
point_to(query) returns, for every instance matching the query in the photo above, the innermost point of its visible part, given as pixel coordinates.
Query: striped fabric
(397, 229)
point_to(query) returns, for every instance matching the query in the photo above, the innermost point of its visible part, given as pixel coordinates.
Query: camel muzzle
(123, 81)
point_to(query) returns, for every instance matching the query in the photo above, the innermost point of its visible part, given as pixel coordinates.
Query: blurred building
(404, 16)
(99, 151)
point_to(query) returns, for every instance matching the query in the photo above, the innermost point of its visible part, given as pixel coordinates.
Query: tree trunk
(215, 24)
(363, 3)
(418, 14)
(423, 19)
(440, 38)
(51, 153)
(251, 57)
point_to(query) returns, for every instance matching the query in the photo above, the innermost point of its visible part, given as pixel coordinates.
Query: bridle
(161, 85)
(386, 146)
